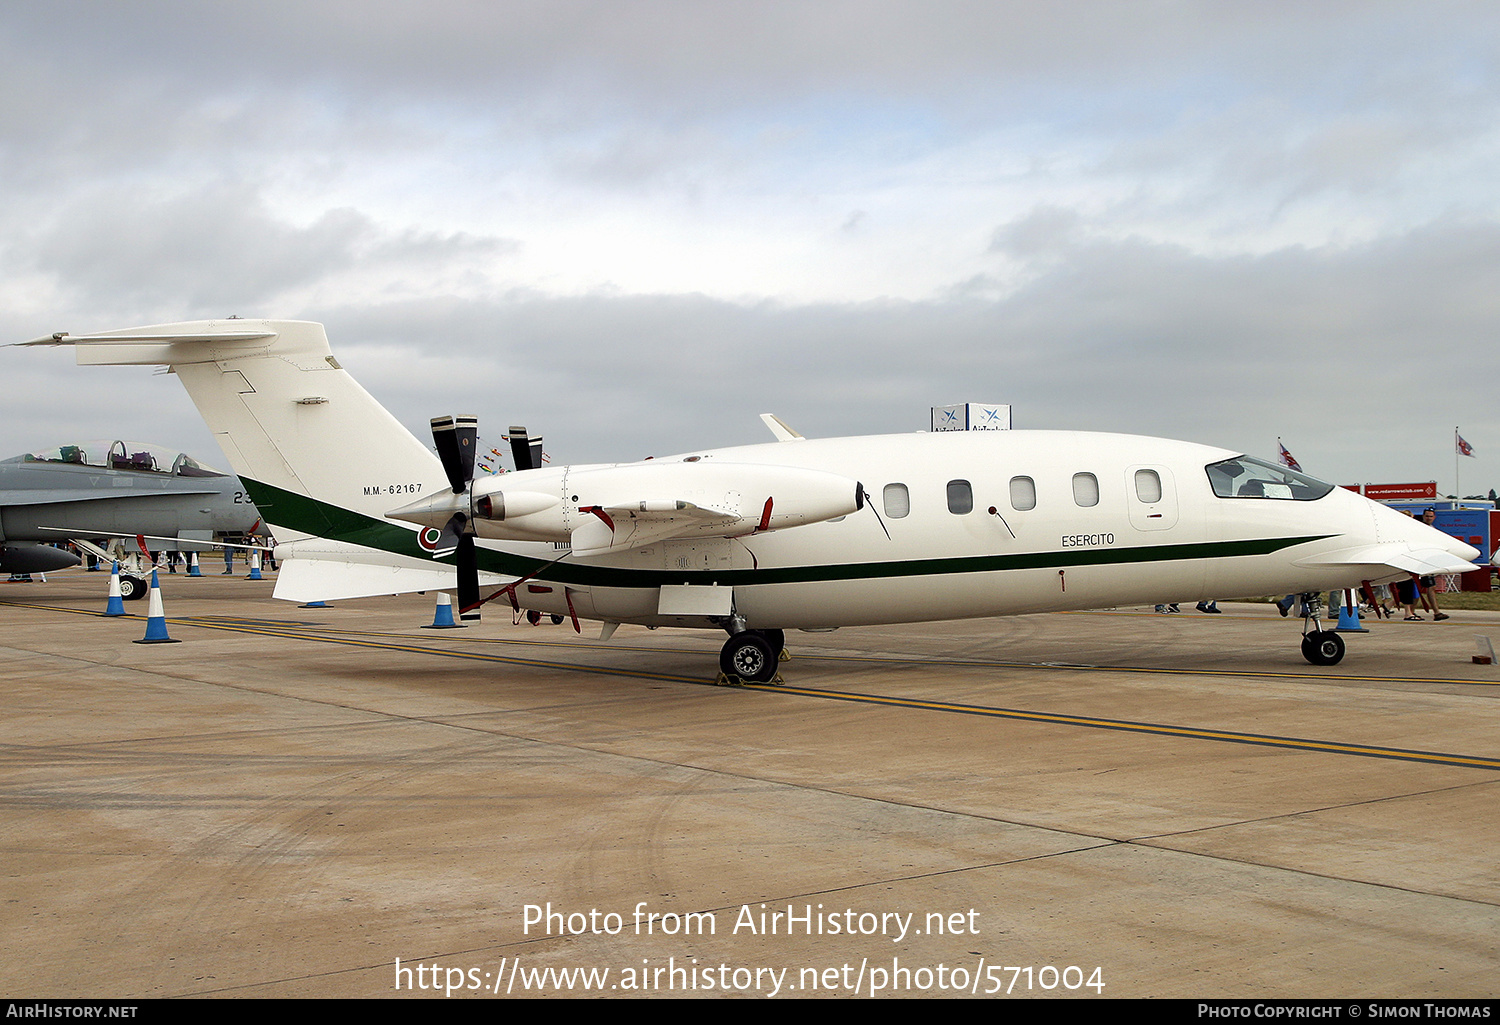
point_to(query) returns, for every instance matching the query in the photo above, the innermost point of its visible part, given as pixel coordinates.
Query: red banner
(1401, 492)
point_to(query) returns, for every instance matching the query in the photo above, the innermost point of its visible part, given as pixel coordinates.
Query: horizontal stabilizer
(304, 579)
(1396, 557)
(187, 333)
(199, 341)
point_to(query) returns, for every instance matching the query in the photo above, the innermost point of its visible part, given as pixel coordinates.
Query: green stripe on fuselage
(310, 516)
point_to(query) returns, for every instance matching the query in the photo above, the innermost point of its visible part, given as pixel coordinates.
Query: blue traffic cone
(442, 617)
(116, 604)
(193, 570)
(156, 620)
(1349, 616)
(255, 565)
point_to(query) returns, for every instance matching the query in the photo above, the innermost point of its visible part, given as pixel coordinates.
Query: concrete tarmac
(303, 802)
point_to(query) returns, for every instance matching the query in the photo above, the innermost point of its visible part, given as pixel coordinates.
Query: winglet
(779, 428)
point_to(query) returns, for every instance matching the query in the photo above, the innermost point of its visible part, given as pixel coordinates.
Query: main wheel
(748, 656)
(1324, 648)
(132, 588)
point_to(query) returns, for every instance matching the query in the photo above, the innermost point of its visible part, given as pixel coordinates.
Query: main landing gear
(750, 656)
(1320, 647)
(132, 588)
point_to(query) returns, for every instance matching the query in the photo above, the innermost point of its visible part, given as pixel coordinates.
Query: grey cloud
(1362, 358)
(1180, 108)
(1318, 345)
(220, 249)
(686, 54)
(1045, 231)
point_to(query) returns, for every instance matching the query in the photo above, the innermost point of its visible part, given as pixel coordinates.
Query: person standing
(1429, 584)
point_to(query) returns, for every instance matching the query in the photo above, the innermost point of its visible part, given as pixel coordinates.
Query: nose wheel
(1323, 648)
(1320, 647)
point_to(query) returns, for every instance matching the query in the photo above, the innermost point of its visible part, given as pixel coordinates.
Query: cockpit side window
(1247, 477)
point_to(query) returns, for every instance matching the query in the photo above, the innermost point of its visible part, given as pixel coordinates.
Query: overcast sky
(633, 226)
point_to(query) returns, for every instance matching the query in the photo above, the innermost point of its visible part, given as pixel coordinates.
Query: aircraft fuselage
(980, 524)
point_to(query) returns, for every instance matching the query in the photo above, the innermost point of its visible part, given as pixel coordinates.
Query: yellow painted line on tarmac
(1122, 725)
(1159, 729)
(585, 643)
(936, 661)
(1255, 674)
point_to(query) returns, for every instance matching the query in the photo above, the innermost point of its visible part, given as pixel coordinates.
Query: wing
(54, 496)
(624, 525)
(1394, 558)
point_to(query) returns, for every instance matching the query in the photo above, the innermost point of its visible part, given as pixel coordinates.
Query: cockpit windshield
(1248, 477)
(122, 455)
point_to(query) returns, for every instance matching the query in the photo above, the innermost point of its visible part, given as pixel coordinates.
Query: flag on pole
(1464, 448)
(1287, 459)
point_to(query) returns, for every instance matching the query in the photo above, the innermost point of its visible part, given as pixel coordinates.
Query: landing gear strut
(1320, 647)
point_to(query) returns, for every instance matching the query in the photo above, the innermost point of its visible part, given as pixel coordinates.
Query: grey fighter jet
(100, 490)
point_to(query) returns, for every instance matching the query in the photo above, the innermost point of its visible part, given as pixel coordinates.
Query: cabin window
(1086, 489)
(1148, 486)
(1022, 494)
(960, 497)
(897, 500)
(1245, 477)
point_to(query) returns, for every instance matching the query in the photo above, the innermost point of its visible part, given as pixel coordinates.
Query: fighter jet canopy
(122, 455)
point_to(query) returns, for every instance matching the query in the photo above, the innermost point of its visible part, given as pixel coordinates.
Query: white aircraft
(795, 534)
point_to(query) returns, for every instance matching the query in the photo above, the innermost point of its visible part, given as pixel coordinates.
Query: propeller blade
(451, 535)
(468, 578)
(454, 438)
(524, 449)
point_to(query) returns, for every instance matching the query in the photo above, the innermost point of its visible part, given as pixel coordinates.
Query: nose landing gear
(1320, 647)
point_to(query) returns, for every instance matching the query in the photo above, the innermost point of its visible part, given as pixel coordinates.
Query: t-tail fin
(290, 420)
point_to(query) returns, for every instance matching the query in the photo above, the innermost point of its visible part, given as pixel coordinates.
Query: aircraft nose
(1450, 544)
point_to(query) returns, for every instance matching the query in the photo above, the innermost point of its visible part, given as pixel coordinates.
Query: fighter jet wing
(53, 496)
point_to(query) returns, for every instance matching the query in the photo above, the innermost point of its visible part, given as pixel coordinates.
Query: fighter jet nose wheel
(132, 588)
(748, 656)
(1324, 648)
